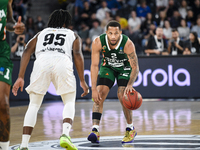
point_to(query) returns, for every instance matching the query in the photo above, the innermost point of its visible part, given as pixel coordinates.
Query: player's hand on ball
(85, 88)
(128, 88)
(19, 83)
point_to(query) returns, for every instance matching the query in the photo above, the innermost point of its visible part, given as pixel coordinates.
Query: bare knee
(103, 95)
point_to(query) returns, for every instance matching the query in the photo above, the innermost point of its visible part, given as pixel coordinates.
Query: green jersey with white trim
(114, 58)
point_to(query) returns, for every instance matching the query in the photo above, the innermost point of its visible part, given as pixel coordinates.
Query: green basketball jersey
(114, 58)
(4, 47)
(3, 13)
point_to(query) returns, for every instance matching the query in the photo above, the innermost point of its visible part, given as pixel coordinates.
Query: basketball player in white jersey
(53, 49)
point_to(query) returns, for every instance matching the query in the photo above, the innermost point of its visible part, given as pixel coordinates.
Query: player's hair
(59, 18)
(113, 23)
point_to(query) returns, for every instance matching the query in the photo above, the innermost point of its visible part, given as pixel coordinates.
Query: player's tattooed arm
(134, 65)
(129, 49)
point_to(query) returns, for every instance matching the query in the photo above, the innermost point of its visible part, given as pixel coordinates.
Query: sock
(66, 128)
(4, 145)
(96, 127)
(130, 126)
(25, 140)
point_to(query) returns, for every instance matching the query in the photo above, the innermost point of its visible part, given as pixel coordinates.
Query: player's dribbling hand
(128, 88)
(85, 88)
(19, 26)
(96, 97)
(18, 83)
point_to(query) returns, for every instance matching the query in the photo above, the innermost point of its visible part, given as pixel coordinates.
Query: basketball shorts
(6, 73)
(108, 75)
(6, 65)
(57, 70)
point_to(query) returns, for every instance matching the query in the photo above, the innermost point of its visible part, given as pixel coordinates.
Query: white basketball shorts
(56, 69)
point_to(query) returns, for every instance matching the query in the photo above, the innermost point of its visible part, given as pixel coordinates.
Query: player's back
(52, 42)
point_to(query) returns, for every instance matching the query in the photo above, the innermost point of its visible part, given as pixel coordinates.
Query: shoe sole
(68, 146)
(130, 141)
(93, 138)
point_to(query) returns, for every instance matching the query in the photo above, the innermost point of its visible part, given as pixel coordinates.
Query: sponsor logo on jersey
(2, 13)
(114, 61)
(60, 50)
(104, 49)
(121, 50)
(125, 74)
(2, 70)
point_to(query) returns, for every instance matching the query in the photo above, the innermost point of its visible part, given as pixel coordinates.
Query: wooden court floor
(152, 118)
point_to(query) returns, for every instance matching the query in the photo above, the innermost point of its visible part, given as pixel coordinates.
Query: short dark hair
(159, 27)
(113, 23)
(174, 30)
(58, 18)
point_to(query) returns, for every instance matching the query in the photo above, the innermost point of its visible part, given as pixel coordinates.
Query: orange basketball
(132, 100)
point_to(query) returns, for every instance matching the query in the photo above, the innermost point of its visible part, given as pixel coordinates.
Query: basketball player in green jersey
(119, 62)
(6, 23)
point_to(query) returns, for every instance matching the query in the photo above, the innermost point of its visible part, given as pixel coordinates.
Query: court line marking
(79, 141)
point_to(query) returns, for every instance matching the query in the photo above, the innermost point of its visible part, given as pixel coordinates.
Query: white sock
(25, 140)
(96, 126)
(130, 126)
(66, 128)
(4, 145)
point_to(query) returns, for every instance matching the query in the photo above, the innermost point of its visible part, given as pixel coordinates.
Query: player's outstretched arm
(79, 63)
(130, 51)
(94, 68)
(11, 25)
(29, 50)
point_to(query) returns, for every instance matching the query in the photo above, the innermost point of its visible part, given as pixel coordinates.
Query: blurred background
(171, 74)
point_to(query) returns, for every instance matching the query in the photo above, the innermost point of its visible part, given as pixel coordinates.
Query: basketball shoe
(65, 142)
(24, 148)
(94, 136)
(129, 135)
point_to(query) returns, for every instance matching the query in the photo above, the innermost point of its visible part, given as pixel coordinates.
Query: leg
(31, 117)
(4, 115)
(130, 131)
(98, 108)
(96, 115)
(68, 111)
(68, 117)
(127, 113)
(106, 80)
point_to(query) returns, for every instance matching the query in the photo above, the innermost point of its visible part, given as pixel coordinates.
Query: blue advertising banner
(159, 77)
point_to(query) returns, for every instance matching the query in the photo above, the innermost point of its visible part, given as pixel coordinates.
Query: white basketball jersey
(55, 42)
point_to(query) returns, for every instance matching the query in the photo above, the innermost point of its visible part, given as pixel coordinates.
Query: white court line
(54, 144)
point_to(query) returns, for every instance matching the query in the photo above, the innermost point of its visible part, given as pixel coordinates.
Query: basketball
(132, 100)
